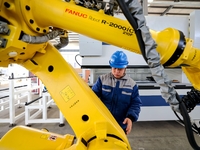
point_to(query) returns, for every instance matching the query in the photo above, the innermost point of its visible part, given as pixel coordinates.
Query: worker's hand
(129, 125)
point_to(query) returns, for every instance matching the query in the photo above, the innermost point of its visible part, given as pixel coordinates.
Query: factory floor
(145, 135)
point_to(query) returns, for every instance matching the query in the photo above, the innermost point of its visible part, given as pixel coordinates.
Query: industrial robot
(26, 28)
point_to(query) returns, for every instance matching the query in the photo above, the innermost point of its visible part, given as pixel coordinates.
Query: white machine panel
(89, 46)
(156, 109)
(195, 28)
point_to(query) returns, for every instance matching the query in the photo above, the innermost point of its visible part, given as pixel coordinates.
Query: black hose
(187, 123)
(182, 122)
(134, 24)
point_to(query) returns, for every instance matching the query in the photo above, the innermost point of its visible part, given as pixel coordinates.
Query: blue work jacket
(121, 97)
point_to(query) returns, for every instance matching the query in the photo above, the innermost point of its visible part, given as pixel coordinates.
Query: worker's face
(118, 72)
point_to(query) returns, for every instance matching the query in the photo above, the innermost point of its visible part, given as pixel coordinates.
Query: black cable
(182, 122)
(187, 123)
(76, 59)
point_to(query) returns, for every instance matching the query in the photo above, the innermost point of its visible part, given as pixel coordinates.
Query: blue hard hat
(118, 60)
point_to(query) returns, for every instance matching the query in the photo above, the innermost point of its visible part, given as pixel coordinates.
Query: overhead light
(150, 1)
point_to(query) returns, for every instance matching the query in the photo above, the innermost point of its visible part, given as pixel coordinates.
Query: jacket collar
(125, 77)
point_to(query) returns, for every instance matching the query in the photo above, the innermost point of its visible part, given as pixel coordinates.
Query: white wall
(107, 51)
(159, 23)
(17, 70)
(195, 28)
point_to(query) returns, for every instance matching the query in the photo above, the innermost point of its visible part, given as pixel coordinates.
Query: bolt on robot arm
(92, 123)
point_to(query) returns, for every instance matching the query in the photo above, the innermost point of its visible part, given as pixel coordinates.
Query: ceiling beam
(181, 3)
(159, 13)
(167, 10)
(175, 7)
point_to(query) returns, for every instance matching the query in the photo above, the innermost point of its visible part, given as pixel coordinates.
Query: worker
(119, 92)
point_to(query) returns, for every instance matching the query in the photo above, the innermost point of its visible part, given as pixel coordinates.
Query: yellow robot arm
(27, 18)
(94, 126)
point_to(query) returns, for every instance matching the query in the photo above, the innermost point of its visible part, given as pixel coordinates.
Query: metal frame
(15, 98)
(42, 107)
